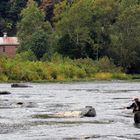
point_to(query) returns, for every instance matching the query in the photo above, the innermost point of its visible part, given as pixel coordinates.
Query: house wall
(8, 50)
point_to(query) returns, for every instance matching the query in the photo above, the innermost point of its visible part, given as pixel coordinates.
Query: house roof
(8, 41)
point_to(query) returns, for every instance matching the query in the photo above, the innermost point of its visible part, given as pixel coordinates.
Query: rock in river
(16, 85)
(4, 92)
(88, 111)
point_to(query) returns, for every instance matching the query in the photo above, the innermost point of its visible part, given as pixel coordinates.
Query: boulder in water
(19, 103)
(4, 92)
(20, 85)
(88, 111)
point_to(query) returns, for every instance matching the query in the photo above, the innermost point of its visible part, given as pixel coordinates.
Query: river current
(18, 111)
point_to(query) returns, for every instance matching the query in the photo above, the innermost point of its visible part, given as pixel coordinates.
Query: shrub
(3, 78)
(121, 76)
(103, 75)
(106, 65)
(135, 76)
(67, 70)
(86, 64)
(26, 56)
(81, 73)
(56, 58)
(58, 68)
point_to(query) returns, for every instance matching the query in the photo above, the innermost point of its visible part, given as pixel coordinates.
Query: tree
(74, 24)
(47, 7)
(9, 15)
(32, 20)
(5, 23)
(104, 13)
(126, 38)
(86, 24)
(33, 30)
(14, 13)
(39, 44)
(60, 9)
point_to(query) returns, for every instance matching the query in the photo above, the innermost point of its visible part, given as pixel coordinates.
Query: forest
(85, 37)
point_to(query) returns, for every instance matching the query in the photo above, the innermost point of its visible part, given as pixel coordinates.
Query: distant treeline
(76, 29)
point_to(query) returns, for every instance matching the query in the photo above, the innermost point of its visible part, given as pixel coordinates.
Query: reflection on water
(29, 113)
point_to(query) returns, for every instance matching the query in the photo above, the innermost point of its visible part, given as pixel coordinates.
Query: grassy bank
(59, 69)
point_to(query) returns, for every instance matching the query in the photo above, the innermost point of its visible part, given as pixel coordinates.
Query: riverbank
(60, 70)
(120, 77)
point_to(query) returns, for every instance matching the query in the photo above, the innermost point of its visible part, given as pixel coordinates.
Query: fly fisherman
(135, 105)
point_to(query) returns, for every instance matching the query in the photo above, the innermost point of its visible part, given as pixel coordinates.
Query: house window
(3, 48)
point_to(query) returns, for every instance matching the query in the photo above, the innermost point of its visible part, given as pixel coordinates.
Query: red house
(8, 45)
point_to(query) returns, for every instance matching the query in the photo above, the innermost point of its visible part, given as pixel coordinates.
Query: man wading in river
(135, 105)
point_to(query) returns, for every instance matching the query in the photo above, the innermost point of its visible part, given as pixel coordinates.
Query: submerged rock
(44, 116)
(68, 114)
(4, 92)
(88, 111)
(6, 104)
(26, 104)
(16, 85)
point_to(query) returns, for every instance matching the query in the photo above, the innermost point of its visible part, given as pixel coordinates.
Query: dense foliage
(76, 29)
(57, 69)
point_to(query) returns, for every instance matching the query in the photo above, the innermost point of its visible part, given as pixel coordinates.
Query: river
(19, 122)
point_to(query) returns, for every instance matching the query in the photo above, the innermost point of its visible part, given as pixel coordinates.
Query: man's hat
(135, 98)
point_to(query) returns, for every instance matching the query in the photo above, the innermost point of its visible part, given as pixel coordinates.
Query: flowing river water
(19, 111)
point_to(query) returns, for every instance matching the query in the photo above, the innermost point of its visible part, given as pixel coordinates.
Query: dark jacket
(135, 106)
